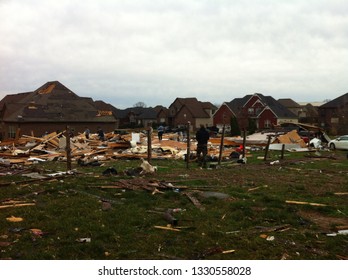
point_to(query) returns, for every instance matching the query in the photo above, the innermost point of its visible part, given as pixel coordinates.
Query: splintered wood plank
(304, 203)
(195, 201)
(16, 205)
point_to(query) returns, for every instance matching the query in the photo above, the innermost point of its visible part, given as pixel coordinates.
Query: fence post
(221, 144)
(188, 145)
(149, 143)
(68, 149)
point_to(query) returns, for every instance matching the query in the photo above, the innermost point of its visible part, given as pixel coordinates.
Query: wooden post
(18, 133)
(221, 144)
(68, 149)
(267, 147)
(309, 140)
(149, 143)
(244, 142)
(188, 145)
(283, 149)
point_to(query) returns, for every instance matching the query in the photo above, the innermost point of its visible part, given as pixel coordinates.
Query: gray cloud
(155, 51)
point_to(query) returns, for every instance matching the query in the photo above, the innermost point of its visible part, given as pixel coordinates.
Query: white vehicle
(340, 143)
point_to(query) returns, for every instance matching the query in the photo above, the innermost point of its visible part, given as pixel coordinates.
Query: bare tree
(140, 104)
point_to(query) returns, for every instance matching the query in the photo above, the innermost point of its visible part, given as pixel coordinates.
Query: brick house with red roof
(265, 111)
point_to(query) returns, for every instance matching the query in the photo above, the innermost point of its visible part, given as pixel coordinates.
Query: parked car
(340, 143)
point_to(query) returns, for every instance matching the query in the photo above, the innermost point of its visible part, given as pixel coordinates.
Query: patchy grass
(254, 219)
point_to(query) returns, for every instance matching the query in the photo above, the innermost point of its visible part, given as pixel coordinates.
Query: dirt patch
(326, 223)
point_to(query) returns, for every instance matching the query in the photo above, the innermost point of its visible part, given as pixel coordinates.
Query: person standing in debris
(87, 133)
(101, 134)
(202, 137)
(71, 133)
(160, 131)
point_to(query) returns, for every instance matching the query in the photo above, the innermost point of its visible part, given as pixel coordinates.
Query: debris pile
(92, 150)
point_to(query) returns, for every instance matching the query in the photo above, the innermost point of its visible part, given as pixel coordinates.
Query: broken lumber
(167, 228)
(341, 227)
(195, 201)
(16, 205)
(341, 193)
(279, 228)
(30, 181)
(304, 203)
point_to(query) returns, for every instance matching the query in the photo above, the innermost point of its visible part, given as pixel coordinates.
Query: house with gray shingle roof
(136, 117)
(291, 105)
(184, 110)
(50, 108)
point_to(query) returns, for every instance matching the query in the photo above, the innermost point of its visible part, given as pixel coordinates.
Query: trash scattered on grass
(340, 232)
(16, 230)
(217, 195)
(84, 240)
(228, 251)
(14, 219)
(106, 205)
(5, 244)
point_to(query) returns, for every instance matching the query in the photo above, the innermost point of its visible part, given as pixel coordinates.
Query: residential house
(162, 114)
(309, 113)
(333, 115)
(184, 110)
(106, 109)
(291, 105)
(265, 111)
(136, 117)
(52, 107)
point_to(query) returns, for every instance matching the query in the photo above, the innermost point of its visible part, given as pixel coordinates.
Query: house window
(334, 120)
(258, 111)
(132, 119)
(250, 111)
(12, 131)
(267, 124)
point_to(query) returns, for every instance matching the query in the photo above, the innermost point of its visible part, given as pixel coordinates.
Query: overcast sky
(127, 51)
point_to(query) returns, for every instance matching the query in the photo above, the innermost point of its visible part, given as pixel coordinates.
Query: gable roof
(12, 98)
(280, 110)
(289, 103)
(52, 102)
(237, 104)
(196, 108)
(337, 102)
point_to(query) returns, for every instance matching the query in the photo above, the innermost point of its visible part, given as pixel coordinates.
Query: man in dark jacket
(202, 137)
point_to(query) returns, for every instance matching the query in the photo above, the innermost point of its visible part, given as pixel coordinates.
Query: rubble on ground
(92, 151)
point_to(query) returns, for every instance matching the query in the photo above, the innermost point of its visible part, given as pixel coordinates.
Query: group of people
(100, 132)
(202, 137)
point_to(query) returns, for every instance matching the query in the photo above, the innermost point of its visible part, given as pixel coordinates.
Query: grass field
(246, 212)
